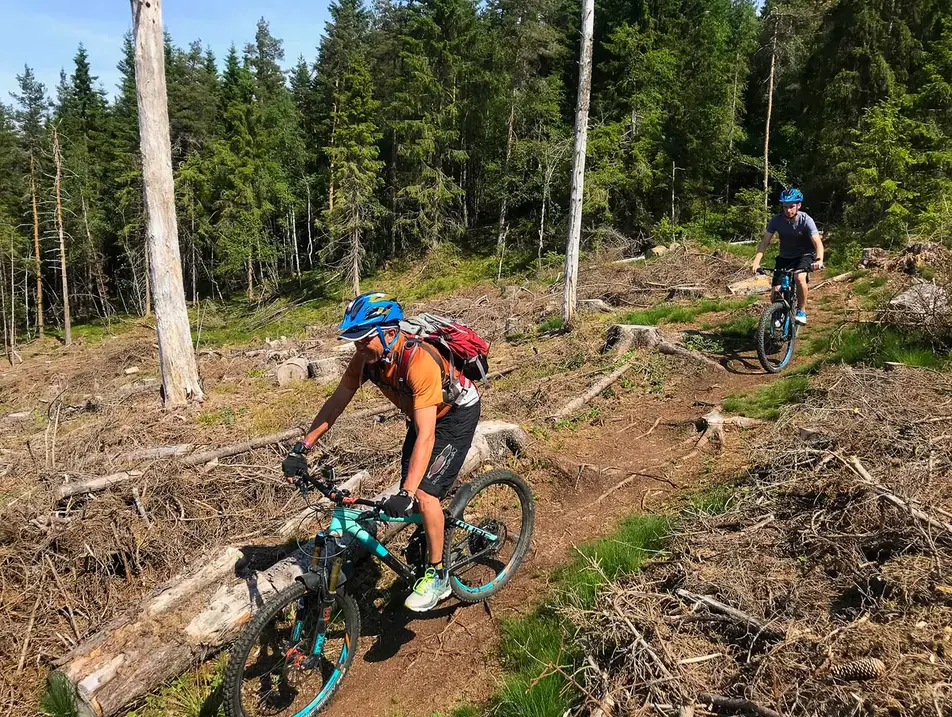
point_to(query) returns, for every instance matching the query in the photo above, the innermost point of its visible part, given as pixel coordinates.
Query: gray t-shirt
(796, 237)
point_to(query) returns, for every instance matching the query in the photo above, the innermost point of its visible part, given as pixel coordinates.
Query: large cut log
(166, 633)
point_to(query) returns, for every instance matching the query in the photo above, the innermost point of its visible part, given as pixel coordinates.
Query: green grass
(875, 345)
(551, 324)
(194, 694)
(635, 540)
(683, 313)
(537, 650)
(741, 326)
(714, 500)
(765, 401)
(59, 700)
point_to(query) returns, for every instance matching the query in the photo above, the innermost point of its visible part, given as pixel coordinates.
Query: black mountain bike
(294, 653)
(777, 330)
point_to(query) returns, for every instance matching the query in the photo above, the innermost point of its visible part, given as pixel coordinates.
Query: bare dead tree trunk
(578, 165)
(7, 347)
(310, 222)
(251, 280)
(180, 379)
(294, 240)
(147, 309)
(773, 65)
(510, 130)
(58, 161)
(13, 299)
(355, 257)
(36, 251)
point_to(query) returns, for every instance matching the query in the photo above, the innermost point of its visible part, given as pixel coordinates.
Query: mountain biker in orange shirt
(441, 423)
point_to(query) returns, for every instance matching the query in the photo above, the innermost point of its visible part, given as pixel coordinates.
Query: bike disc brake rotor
(479, 543)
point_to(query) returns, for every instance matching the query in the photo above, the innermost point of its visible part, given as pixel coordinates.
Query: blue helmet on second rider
(368, 314)
(790, 196)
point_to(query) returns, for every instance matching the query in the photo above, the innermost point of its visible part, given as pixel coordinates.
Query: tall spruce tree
(352, 151)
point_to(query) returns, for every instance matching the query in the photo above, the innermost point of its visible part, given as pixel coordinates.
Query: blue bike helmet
(791, 195)
(367, 314)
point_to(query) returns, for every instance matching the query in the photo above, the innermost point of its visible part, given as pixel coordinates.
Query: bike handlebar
(338, 496)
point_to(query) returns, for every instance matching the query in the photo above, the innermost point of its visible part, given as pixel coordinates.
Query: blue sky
(45, 33)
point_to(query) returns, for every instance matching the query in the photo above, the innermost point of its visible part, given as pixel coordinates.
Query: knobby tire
(249, 637)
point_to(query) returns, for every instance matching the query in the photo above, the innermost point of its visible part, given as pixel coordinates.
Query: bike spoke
(278, 679)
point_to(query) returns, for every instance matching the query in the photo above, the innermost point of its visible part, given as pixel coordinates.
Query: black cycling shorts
(454, 436)
(797, 263)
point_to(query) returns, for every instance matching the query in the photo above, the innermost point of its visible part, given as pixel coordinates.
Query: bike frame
(347, 521)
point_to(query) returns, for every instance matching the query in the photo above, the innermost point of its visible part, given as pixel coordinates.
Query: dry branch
(740, 616)
(166, 634)
(736, 704)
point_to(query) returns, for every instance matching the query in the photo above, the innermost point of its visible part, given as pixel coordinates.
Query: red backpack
(462, 348)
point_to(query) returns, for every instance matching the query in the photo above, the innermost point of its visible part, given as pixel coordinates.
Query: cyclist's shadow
(390, 624)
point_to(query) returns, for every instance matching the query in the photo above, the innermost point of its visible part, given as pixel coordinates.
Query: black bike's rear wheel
(500, 502)
(776, 337)
(264, 675)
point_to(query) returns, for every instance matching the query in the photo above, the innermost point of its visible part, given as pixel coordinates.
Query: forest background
(447, 124)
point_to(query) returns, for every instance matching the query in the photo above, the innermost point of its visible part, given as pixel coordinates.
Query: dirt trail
(420, 666)
(405, 666)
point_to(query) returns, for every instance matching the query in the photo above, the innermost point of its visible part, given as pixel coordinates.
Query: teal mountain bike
(291, 658)
(777, 330)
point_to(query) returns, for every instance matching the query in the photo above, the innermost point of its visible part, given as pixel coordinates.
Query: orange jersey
(424, 379)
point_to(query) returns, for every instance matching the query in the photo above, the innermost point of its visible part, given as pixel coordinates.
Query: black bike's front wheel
(271, 670)
(776, 337)
(500, 503)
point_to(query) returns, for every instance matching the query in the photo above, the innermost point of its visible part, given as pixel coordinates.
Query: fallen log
(196, 459)
(94, 485)
(736, 704)
(166, 634)
(150, 454)
(576, 403)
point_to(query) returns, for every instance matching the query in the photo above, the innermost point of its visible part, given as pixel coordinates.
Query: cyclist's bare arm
(329, 413)
(424, 421)
(764, 243)
(818, 249)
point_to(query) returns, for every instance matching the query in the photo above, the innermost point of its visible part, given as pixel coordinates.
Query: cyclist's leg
(452, 440)
(803, 265)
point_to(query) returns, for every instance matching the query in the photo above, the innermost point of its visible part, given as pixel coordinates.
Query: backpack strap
(406, 356)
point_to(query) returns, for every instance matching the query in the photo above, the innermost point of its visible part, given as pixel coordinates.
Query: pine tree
(435, 41)
(30, 119)
(353, 152)
(239, 221)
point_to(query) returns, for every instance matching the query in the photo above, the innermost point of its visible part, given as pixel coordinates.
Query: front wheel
(500, 503)
(280, 667)
(776, 337)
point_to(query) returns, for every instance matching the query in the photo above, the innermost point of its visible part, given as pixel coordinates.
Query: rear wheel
(776, 337)
(500, 503)
(271, 671)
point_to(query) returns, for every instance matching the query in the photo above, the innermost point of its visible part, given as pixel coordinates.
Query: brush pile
(825, 589)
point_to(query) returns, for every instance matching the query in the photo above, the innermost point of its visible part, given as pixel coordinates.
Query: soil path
(425, 665)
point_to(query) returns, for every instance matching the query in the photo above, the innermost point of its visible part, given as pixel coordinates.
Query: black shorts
(797, 263)
(454, 436)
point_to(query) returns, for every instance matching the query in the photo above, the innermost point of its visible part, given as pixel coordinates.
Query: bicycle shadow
(390, 623)
(737, 354)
